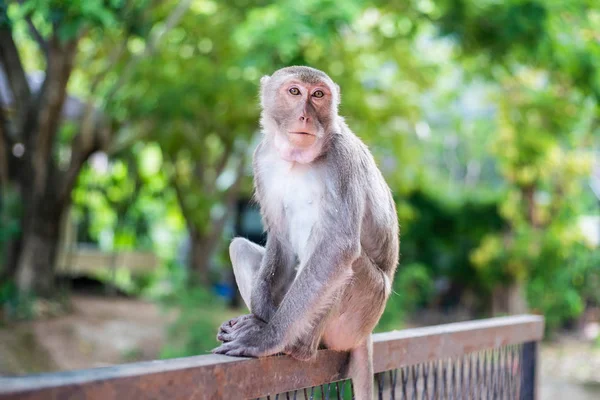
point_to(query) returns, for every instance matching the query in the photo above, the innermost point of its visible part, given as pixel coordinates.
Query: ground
(100, 331)
(103, 331)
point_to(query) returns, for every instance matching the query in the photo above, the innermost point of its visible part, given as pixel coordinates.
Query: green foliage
(536, 56)
(71, 17)
(125, 204)
(289, 27)
(443, 231)
(495, 28)
(561, 292)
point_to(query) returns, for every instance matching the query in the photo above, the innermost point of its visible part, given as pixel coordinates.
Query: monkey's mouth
(302, 139)
(302, 133)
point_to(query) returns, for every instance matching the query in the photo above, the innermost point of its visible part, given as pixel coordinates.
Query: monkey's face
(299, 107)
(304, 110)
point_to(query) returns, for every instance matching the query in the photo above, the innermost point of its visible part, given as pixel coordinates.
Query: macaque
(326, 271)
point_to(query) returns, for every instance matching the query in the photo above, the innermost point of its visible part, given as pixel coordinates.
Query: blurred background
(126, 135)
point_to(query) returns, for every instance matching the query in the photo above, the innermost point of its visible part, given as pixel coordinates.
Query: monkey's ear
(261, 93)
(264, 80)
(339, 93)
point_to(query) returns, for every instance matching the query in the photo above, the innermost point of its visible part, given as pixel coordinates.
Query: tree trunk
(37, 256)
(12, 249)
(509, 299)
(200, 252)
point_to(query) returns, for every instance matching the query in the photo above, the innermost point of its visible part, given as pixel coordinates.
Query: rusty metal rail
(222, 377)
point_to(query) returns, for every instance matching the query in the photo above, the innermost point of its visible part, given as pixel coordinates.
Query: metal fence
(486, 359)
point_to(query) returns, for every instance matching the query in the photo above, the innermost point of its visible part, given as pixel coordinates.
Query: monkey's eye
(294, 91)
(318, 94)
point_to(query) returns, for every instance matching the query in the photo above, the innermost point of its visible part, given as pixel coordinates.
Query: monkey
(326, 271)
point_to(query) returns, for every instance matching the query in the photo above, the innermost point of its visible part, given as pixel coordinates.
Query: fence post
(528, 371)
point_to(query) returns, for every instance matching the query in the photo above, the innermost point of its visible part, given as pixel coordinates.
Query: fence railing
(487, 359)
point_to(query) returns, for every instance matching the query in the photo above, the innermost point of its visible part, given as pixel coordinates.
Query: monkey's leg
(361, 370)
(246, 258)
(305, 346)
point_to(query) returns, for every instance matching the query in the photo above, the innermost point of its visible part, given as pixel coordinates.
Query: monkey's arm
(274, 271)
(325, 274)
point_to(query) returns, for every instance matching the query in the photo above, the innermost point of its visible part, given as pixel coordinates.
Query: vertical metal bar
(452, 383)
(470, 379)
(478, 385)
(504, 375)
(485, 375)
(404, 378)
(425, 374)
(493, 380)
(393, 378)
(528, 371)
(415, 381)
(462, 363)
(436, 365)
(445, 380)
(513, 372)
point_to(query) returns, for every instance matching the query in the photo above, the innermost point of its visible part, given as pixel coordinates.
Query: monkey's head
(299, 110)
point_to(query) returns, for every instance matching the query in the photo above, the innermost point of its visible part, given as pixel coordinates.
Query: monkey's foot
(228, 328)
(247, 337)
(237, 349)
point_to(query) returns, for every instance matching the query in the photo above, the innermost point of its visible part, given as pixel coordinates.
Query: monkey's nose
(303, 118)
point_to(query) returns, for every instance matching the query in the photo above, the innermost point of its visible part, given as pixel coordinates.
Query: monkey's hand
(247, 337)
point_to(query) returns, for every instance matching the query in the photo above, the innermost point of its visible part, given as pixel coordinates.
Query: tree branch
(232, 192)
(90, 138)
(36, 35)
(4, 157)
(112, 61)
(179, 193)
(222, 163)
(229, 200)
(219, 167)
(51, 99)
(6, 144)
(123, 143)
(17, 80)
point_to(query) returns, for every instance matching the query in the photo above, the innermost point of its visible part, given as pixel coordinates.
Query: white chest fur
(292, 196)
